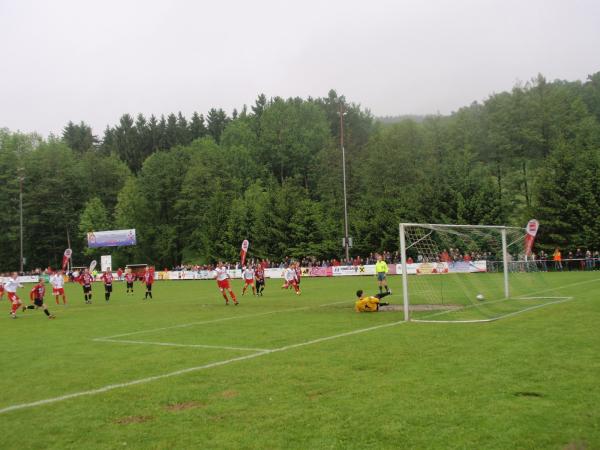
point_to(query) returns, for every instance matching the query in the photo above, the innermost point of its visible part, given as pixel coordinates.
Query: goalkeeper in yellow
(369, 303)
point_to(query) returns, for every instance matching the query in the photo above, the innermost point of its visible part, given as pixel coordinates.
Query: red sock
(232, 296)
(14, 308)
(225, 296)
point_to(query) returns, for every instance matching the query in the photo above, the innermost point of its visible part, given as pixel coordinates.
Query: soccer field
(281, 371)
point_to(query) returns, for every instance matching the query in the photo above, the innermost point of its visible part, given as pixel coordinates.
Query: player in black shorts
(129, 277)
(86, 279)
(107, 277)
(37, 297)
(259, 278)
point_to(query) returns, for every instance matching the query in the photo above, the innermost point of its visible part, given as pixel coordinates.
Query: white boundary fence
(334, 271)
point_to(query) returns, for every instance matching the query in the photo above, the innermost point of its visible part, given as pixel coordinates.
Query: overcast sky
(84, 60)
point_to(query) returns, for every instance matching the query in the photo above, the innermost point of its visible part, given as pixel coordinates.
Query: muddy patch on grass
(132, 419)
(575, 446)
(185, 405)
(528, 394)
(229, 393)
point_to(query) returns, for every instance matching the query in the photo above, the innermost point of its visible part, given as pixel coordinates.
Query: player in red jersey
(11, 287)
(119, 274)
(129, 279)
(222, 278)
(1, 290)
(86, 279)
(58, 286)
(148, 280)
(107, 277)
(36, 295)
(248, 276)
(291, 279)
(259, 275)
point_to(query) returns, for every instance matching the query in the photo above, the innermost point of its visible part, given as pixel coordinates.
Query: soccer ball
(480, 297)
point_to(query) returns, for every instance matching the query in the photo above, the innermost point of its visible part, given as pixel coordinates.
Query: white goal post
(421, 238)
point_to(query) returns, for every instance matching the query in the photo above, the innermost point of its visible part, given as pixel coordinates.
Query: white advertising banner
(23, 279)
(435, 268)
(105, 263)
(438, 268)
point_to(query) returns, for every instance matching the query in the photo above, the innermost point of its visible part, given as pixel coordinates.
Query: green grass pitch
(281, 371)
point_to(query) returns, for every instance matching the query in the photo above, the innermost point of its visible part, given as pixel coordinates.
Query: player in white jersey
(222, 278)
(58, 286)
(248, 276)
(11, 286)
(291, 279)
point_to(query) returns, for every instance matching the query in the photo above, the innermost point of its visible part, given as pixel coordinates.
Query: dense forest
(195, 187)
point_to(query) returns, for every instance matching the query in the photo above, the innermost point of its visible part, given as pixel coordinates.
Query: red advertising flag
(532, 229)
(66, 257)
(245, 246)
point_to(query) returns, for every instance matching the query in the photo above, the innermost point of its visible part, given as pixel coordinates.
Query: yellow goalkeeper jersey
(366, 304)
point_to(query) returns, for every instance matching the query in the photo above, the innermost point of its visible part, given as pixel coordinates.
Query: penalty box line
(529, 297)
(172, 344)
(503, 316)
(111, 387)
(223, 319)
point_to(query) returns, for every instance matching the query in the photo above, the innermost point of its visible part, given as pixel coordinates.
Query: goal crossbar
(445, 225)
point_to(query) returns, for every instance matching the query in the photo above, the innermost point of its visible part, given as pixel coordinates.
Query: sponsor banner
(532, 229)
(192, 275)
(320, 272)
(347, 270)
(435, 268)
(66, 257)
(244, 250)
(113, 238)
(22, 279)
(276, 273)
(467, 266)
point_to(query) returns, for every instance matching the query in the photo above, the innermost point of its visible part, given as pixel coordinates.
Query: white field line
(541, 291)
(223, 319)
(171, 344)
(504, 316)
(111, 387)
(564, 286)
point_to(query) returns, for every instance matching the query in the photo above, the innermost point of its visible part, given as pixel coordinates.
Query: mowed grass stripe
(192, 369)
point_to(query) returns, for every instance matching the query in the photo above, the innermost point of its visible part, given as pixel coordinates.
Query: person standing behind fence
(581, 259)
(589, 261)
(381, 269)
(543, 258)
(557, 258)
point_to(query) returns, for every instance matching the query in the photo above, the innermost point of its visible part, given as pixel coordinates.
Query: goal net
(469, 273)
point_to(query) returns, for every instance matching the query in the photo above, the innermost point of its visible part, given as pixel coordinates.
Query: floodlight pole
(404, 272)
(346, 240)
(505, 262)
(21, 178)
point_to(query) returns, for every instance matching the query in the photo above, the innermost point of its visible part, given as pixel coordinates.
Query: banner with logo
(66, 257)
(531, 229)
(245, 245)
(113, 238)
